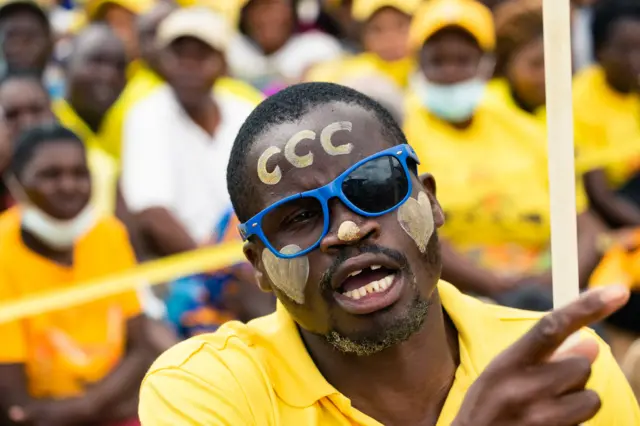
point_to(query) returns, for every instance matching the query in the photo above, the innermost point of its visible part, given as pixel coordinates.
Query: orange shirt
(65, 350)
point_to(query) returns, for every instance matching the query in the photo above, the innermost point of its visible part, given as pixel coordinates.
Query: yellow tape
(148, 273)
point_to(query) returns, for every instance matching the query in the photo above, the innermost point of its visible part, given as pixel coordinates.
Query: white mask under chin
(58, 234)
(454, 103)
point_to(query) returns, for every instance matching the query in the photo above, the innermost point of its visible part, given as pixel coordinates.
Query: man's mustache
(349, 252)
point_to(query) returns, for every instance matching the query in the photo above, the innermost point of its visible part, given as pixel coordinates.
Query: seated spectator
(148, 76)
(519, 82)
(24, 102)
(606, 105)
(497, 201)
(385, 30)
(95, 78)
(177, 140)
(27, 41)
(82, 364)
(269, 53)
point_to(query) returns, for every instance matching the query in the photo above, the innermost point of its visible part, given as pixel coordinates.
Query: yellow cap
(362, 10)
(197, 22)
(229, 8)
(94, 8)
(469, 15)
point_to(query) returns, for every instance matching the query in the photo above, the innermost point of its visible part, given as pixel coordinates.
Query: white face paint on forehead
(416, 219)
(302, 161)
(287, 275)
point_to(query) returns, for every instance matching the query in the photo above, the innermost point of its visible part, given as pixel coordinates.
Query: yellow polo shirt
(492, 184)
(104, 168)
(607, 123)
(261, 374)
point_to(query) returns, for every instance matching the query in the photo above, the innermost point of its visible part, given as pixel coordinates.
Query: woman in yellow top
(519, 82)
(385, 29)
(82, 364)
(489, 162)
(607, 113)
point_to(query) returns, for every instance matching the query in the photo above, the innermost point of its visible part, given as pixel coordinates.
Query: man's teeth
(373, 287)
(372, 267)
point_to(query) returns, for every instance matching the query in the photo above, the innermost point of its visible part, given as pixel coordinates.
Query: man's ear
(253, 253)
(429, 184)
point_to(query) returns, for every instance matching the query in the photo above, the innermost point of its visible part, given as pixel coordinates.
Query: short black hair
(606, 13)
(34, 137)
(286, 106)
(9, 10)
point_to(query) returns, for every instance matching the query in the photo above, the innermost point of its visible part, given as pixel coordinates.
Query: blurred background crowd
(117, 118)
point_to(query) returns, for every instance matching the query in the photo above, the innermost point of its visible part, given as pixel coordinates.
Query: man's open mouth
(370, 280)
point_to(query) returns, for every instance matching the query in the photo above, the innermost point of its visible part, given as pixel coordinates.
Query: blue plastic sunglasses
(372, 187)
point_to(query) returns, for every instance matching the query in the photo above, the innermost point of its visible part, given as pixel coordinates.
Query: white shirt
(171, 162)
(247, 62)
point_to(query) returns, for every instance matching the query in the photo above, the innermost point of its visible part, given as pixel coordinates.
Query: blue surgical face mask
(454, 103)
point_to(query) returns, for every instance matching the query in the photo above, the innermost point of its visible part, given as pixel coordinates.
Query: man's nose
(347, 228)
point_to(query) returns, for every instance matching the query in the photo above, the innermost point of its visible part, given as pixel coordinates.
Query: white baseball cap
(198, 22)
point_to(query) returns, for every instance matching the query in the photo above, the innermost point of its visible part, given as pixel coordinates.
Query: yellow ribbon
(148, 273)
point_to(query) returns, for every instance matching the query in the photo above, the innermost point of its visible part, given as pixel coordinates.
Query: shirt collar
(299, 383)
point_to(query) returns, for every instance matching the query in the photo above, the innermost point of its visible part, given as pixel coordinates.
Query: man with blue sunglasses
(340, 227)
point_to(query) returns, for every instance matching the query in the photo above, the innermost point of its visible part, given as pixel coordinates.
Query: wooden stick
(557, 56)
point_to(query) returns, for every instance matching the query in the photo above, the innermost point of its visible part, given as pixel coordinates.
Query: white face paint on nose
(348, 231)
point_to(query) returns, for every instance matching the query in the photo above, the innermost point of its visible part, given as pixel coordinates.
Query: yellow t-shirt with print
(492, 184)
(65, 350)
(608, 127)
(103, 167)
(261, 373)
(366, 63)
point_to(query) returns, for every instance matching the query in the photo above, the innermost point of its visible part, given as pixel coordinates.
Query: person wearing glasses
(340, 226)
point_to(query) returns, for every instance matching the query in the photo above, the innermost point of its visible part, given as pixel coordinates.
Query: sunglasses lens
(298, 222)
(378, 185)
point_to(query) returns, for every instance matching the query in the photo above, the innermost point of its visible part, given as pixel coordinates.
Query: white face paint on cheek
(269, 178)
(348, 231)
(327, 134)
(288, 275)
(416, 218)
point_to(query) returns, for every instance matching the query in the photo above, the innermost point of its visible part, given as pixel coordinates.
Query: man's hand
(536, 381)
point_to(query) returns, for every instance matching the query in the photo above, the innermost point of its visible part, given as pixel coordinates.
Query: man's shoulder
(232, 347)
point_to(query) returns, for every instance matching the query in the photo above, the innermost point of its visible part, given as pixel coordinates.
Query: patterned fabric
(196, 303)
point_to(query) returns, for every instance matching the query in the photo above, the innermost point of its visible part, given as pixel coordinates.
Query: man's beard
(399, 328)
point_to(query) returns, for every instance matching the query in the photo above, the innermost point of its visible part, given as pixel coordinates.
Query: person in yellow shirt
(519, 74)
(95, 78)
(606, 105)
(83, 364)
(340, 226)
(497, 201)
(385, 30)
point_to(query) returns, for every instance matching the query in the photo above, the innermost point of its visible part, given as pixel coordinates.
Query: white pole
(557, 56)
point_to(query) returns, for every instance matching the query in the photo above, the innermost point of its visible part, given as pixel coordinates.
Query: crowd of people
(119, 120)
